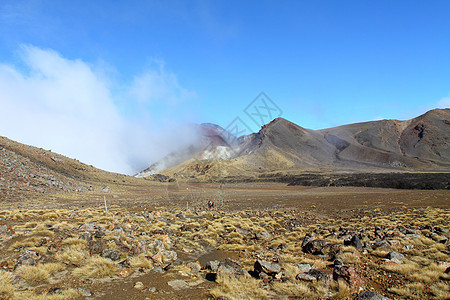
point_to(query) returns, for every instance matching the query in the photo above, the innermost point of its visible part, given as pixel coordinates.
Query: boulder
(96, 246)
(354, 241)
(349, 275)
(178, 284)
(230, 267)
(314, 247)
(85, 292)
(270, 269)
(306, 240)
(303, 267)
(263, 236)
(111, 254)
(194, 267)
(395, 256)
(370, 295)
(212, 265)
(381, 244)
(139, 285)
(26, 260)
(313, 275)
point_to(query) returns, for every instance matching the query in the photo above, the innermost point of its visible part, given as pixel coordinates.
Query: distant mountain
(419, 144)
(213, 143)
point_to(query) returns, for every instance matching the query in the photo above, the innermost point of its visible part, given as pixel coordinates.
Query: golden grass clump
(51, 215)
(428, 274)
(238, 288)
(293, 289)
(74, 241)
(440, 290)
(348, 257)
(141, 261)
(6, 285)
(33, 274)
(28, 242)
(74, 255)
(407, 268)
(237, 247)
(343, 290)
(402, 291)
(53, 268)
(95, 267)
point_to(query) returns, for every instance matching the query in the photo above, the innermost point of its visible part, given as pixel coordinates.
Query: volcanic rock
(270, 269)
(350, 276)
(370, 295)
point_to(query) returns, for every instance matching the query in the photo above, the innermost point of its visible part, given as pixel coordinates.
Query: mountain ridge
(418, 144)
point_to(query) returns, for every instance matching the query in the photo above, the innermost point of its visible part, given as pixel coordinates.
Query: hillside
(25, 170)
(416, 145)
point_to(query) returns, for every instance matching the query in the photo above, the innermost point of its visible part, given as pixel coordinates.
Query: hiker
(210, 204)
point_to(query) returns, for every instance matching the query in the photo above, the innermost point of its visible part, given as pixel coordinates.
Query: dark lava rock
(313, 275)
(111, 254)
(306, 240)
(354, 241)
(370, 295)
(314, 247)
(395, 255)
(211, 276)
(96, 247)
(270, 269)
(350, 276)
(212, 265)
(381, 244)
(26, 260)
(231, 267)
(338, 262)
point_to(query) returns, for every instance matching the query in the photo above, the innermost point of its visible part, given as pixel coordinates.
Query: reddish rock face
(350, 276)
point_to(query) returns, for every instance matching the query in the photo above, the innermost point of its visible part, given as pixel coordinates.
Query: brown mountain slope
(419, 144)
(25, 170)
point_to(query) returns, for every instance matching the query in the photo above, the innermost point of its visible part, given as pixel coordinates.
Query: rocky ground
(159, 253)
(262, 240)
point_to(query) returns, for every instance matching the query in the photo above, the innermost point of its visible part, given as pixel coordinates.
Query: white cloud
(444, 103)
(68, 106)
(158, 85)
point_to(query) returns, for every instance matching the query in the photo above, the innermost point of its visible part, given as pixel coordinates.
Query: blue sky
(150, 66)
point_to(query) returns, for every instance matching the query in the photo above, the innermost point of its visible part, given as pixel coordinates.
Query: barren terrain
(71, 231)
(158, 241)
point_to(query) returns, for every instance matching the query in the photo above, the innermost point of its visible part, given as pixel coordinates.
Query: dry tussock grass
(348, 257)
(141, 261)
(343, 290)
(33, 274)
(379, 253)
(296, 290)
(95, 267)
(74, 241)
(428, 274)
(73, 255)
(6, 285)
(53, 268)
(440, 290)
(248, 288)
(407, 268)
(28, 242)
